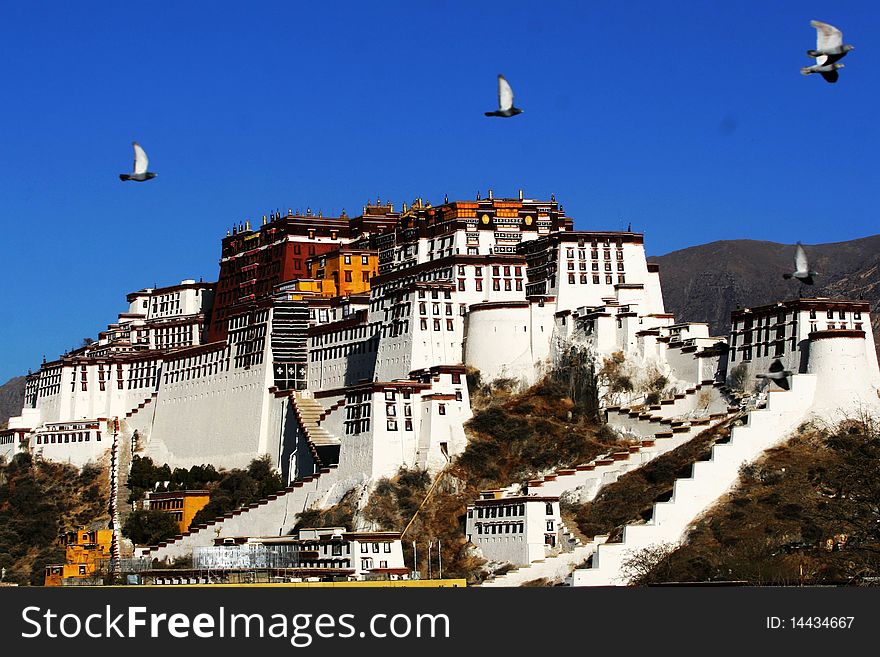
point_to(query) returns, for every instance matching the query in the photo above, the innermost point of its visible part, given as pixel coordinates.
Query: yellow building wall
(191, 506)
(337, 270)
(81, 555)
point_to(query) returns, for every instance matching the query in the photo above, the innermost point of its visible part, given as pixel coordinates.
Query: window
(456, 377)
(337, 549)
(571, 278)
(366, 564)
(441, 409)
(407, 425)
(365, 260)
(479, 285)
(386, 547)
(348, 277)
(365, 547)
(390, 410)
(583, 278)
(549, 525)
(423, 324)
(496, 284)
(347, 259)
(375, 547)
(392, 425)
(449, 326)
(549, 508)
(436, 324)
(389, 395)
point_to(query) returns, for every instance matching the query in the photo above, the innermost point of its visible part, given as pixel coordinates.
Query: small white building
(517, 529)
(75, 442)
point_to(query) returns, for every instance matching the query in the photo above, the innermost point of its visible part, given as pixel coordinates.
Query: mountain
(705, 283)
(11, 398)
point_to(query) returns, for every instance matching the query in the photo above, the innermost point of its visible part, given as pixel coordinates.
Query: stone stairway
(324, 445)
(553, 570)
(709, 480)
(645, 420)
(588, 479)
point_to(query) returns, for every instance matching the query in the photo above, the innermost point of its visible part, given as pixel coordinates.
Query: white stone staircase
(588, 479)
(709, 480)
(552, 569)
(322, 443)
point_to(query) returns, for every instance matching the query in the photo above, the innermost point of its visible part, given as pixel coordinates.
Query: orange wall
(335, 270)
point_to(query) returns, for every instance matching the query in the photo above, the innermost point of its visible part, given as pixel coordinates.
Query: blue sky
(688, 119)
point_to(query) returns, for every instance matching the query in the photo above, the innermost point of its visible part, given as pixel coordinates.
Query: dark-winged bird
(505, 100)
(778, 374)
(829, 50)
(140, 173)
(802, 270)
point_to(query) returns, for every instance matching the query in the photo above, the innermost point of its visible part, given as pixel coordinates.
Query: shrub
(148, 527)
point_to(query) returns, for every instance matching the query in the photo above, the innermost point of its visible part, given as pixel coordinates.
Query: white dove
(505, 100)
(802, 270)
(140, 173)
(829, 49)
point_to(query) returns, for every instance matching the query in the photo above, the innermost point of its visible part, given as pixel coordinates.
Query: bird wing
(140, 158)
(827, 36)
(776, 366)
(800, 259)
(830, 76)
(505, 94)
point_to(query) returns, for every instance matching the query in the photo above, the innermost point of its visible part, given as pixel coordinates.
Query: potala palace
(339, 346)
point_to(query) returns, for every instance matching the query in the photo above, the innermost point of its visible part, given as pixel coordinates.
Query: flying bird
(802, 270)
(140, 173)
(829, 50)
(505, 100)
(778, 374)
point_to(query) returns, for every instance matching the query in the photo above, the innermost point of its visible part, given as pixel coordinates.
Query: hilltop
(705, 283)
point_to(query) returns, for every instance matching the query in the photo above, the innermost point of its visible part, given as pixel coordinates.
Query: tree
(650, 565)
(148, 527)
